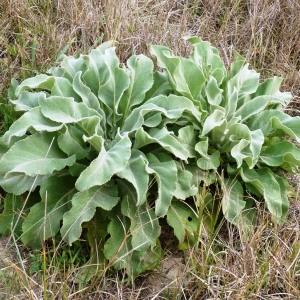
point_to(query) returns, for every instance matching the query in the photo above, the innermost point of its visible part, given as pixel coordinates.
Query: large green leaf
(63, 88)
(141, 79)
(44, 218)
(96, 71)
(269, 120)
(108, 163)
(185, 76)
(273, 191)
(189, 79)
(112, 90)
(233, 201)
(213, 93)
(142, 261)
(200, 176)
(31, 119)
(144, 226)
(37, 154)
(28, 100)
(91, 126)
(135, 173)
(172, 107)
(237, 65)
(66, 110)
(237, 151)
(184, 220)
(137, 117)
(118, 248)
(3, 147)
(185, 186)
(72, 143)
(217, 118)
(74, 65)
(42, 81)
(95, 140)
(163, 55)
(208, 58)
(283, 152)
(284, 185)
(245, 82)
(187, 136)
(165, 172)
(253, 107)
(247, 146)
(60, 72)
(231, 103)
(12, 89)
(207, 161)
(84, 206)
(85, 93)
(160, 85)
(96, 236)
(91, 76)
(271, 87)
(19, 183)
(162, 137)
(177, 106)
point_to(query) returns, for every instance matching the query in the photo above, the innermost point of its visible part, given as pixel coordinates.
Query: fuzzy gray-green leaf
(108, 163)
(66, 110)
(184, 220)
(272, 190)
(37, 154)
(28, 100)
(135, 173)
(31, 119)
(72, 143)
(165, 172)
(279, 153)
(144, 226)
(273, 119)
(43, 220)
(162, 137)
(19, 183)
(84, 205)
(141, 79)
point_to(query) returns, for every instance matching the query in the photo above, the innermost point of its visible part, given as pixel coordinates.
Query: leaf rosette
(113, 147)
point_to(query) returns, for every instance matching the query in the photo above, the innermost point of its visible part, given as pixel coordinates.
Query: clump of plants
(108, 149)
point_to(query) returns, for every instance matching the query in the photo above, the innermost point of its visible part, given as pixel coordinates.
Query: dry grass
(265, 267)
(33, 33)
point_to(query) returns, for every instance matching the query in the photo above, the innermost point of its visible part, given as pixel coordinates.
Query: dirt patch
(166, 281)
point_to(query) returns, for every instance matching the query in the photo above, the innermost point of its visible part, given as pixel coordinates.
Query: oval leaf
(31, 119)
(135, 173)
(84, 206)
(165, 172)
(37, 154)
(105, 165)
(43, 220)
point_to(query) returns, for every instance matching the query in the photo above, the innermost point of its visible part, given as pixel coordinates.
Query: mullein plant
(111, 148)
